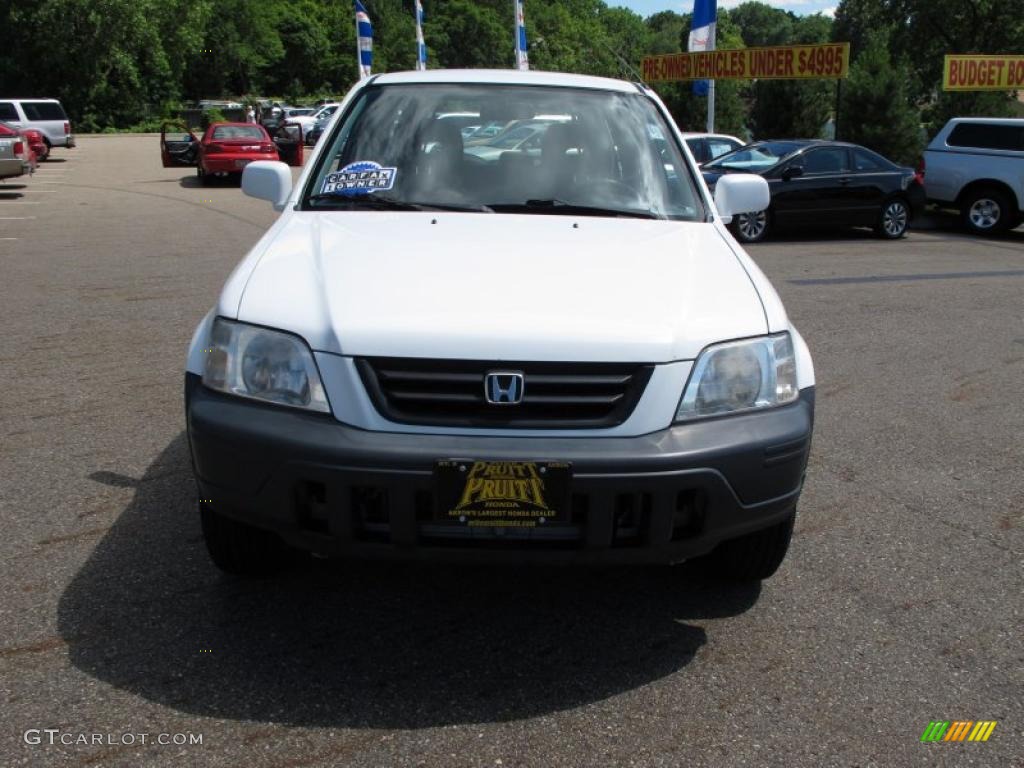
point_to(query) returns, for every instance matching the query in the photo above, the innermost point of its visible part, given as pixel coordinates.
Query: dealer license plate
(502, 494)
(242, 163)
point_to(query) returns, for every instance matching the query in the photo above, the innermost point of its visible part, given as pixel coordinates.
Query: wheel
(750, 227)
(752, 557)
(893, 220)
(986, 211)
(241, 549)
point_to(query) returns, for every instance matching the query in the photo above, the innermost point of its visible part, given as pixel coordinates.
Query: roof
(701, 135)
(506, 77)
(990, 120)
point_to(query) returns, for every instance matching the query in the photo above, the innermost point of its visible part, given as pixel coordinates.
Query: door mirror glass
(737, 193)
(794, 171)
(268, 180)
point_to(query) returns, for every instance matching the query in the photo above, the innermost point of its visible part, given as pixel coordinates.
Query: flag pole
(711, 106)
(522, 58)
(359, 49)
(421, 46)
(702, 38)
(365, 63)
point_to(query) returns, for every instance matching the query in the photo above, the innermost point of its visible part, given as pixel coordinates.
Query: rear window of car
(987, 136)
(43, 110)
(7, 111)
(719, 147)
(237, 132)
(865, 160)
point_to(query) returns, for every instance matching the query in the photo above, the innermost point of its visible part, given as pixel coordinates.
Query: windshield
(756, 157)
(238, 132)
(545, 150)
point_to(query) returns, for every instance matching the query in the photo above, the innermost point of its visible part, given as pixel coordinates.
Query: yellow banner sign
(784, 62)
(983, 73)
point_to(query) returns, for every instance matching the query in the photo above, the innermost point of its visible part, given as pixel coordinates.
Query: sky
(647, 7)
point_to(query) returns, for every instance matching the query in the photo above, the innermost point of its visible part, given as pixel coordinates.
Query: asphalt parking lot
(900, 602)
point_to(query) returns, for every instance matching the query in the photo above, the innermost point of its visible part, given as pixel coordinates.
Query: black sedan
(825, 183)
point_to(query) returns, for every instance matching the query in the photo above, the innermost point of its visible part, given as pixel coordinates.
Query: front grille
(555, 395)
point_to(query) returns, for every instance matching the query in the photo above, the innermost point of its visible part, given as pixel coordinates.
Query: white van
(45, 115)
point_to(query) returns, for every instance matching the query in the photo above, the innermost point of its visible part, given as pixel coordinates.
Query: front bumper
(333, 489)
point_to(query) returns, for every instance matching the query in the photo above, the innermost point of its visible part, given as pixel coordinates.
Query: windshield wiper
(365, 201)
(390, 204)
(555, 206)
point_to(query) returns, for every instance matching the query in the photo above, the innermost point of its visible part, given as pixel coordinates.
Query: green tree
(760, 24)
(107, 59)
(689, 110)
(856, 20)
(795, 108)
(466, 33)
(876, 109)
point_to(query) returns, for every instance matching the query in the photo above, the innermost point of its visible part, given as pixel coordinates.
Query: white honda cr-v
(539, 343)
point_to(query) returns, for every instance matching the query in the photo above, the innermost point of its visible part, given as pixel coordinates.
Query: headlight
(740, 376)
(250, 361)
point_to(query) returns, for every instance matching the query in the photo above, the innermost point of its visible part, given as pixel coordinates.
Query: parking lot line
(902, 278)
(15, 218)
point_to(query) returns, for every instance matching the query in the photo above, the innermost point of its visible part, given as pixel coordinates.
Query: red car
(22, 151)
(226, 148)
(36, 142)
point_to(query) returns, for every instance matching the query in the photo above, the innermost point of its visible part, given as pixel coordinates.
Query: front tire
(750, 227)
(894, 219)
(986, 211)
(240, 549)
(752, 557)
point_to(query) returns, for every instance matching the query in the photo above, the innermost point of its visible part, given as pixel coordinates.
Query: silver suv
(45, 115)
(976, 165)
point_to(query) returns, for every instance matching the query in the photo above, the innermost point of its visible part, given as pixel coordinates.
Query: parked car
(14, 151)
(45, 115)
(438, 354)
(309, 121)
(36, 143)
(707, 146)
(521, 137)
(271, 116)
(208, 104)
(226, 148)
(823, 183)
(298, 115)
(976, 165)
(322, 119)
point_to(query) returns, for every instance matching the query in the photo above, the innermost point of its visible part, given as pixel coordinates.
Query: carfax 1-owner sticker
(359, 178)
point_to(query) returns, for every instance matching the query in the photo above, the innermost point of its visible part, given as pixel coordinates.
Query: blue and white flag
(702, 35)
(364, 40)
(522, 60)
(421, 46)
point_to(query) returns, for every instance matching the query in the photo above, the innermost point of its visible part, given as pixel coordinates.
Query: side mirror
(792, 172)
(737, 193)
(268, 180)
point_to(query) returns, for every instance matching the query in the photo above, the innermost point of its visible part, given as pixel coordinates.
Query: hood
(501, 287)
